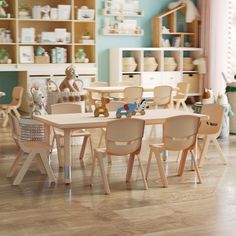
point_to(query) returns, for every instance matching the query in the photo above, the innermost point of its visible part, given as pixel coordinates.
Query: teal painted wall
(150, 8)
(7, 81)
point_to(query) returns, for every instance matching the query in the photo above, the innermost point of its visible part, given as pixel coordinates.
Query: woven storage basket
(129, 68)
(150, 67)
(31, 130)
(170, 67)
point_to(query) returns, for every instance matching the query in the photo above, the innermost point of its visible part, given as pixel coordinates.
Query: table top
(115, 89)
(87, 120)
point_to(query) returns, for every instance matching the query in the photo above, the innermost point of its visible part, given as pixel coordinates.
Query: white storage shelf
(163, 75)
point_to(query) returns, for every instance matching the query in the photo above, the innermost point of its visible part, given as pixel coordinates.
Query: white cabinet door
(151, 79)
(171, 78)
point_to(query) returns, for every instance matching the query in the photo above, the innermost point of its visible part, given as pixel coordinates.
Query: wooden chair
(15, 103)
(133, 94)
(162, 96)
(33, 149)
(65, 108)
(80, 84)
(210, 129)
(111, 106)
(94, 97)
(181, 95)
(123, 137)
(179, 134)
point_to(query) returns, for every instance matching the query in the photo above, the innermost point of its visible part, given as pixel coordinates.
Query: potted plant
(3, 4)
(23, 10)
(4, 56)
(85, 35)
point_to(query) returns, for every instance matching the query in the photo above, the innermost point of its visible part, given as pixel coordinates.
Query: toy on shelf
(3, 4)
(101, 109)
(68, 84)
(81, 56)
(130, 109)
(38, 101)
(208, 96)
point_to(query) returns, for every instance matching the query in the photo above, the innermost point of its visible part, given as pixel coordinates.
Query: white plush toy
(39, 101)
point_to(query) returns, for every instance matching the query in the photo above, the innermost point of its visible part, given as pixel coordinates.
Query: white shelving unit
(161, 76)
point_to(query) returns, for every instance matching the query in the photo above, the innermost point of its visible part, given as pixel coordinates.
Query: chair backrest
(124, 136)
(15, 127)
(65, 108)
(213, 125)
(17, 95)
(183, 89)
(133, 94)
(114, 105)
(162, 95)
(97, 96)
(180, 132)
(80, 84)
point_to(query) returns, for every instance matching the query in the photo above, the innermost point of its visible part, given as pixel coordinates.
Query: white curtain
(214, 35)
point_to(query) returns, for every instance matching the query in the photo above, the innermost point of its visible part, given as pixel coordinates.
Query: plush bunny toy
(39, 102)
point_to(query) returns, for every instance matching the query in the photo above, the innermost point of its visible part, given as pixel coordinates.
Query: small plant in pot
(4, 56)
(3, 4)
(24, 10)
(85, 35)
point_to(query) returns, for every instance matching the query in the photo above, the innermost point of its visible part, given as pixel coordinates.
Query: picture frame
(28, 35)
(85, 14)
(26, 54)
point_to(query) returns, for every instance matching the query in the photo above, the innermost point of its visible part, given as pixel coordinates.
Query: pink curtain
(213, 40)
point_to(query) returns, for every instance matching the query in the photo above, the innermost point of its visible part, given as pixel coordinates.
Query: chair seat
(159, 145)
(35, 146)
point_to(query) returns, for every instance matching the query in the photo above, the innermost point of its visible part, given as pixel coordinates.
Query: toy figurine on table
(101, 108)
(68, 84)
(130, 109)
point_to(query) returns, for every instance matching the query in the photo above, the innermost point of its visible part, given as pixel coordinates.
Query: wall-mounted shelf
(108, 12)
(122, 34)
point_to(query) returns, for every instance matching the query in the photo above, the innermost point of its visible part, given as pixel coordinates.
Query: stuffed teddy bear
(39, 101)
(68, 84)
(3, 3)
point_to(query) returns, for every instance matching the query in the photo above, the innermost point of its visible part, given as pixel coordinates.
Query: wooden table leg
(67, 156)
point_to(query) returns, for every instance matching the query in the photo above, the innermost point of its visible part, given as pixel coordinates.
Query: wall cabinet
(171, 65)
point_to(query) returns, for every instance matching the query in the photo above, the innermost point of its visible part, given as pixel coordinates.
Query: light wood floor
(185, 208)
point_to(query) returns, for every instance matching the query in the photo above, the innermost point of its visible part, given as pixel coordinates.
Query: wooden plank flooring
(185, 208)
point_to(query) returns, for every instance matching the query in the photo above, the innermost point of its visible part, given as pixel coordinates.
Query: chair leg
(24, 168)
(160, 168)
(14, 165)
(82, 151)
(219, 150)
(93, 168)
(5, 121)
(59, 152)
(40, 164)
(91, 146)
(196, 167)
(130, 168)
(142, 172)
(204, 151)
(177, 105)
(182, 162)
(47, 167)
(16, 112)
(149, 163)
(179, 156)
(103, 174)
(101, 138)
(184, 105)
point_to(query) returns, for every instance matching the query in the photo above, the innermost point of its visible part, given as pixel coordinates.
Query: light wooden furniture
(179, 134)
(17, 94)
(121, 142)
(162, 75)
(33, 149)
(68, 108)
(169, 19)
(210, 130)
(181, 95)
(77, 28)
(162, 96)
(133, 94)
(111, 106)
(69, 122)
(29, 73)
